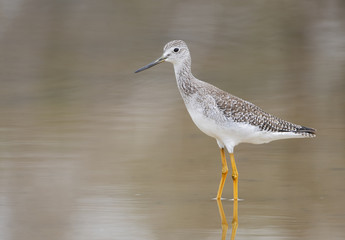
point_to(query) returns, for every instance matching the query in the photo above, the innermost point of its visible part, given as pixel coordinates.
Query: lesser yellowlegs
(229, 119)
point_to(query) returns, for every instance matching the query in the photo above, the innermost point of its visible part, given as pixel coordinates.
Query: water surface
(90, 150)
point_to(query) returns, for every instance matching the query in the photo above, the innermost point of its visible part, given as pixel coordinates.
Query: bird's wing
(243, 111)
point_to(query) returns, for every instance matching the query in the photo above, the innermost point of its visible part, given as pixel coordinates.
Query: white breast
(229, 133)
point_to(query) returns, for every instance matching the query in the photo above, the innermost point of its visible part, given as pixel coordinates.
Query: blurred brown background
(90, 150)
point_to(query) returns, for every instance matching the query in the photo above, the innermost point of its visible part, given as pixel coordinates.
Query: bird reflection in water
(234, 222)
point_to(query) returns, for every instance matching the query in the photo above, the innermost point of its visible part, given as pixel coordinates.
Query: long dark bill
(158, 61)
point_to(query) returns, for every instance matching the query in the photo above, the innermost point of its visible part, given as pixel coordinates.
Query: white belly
(229, 133)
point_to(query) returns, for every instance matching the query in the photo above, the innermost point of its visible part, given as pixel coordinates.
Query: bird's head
(175, 52)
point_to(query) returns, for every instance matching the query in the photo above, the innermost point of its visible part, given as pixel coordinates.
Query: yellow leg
(224, 173)
(234, 175)
(225, 225)
(234, 222)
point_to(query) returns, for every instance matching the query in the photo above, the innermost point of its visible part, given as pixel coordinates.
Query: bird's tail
(309, 132)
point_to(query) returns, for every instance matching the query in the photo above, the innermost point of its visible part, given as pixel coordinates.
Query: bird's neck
(184, 77)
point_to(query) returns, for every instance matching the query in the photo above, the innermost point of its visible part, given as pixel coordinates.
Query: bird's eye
(176, 49)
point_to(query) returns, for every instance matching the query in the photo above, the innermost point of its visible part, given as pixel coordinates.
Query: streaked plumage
(227, 118)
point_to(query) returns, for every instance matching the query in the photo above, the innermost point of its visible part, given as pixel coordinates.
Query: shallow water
(90, 150)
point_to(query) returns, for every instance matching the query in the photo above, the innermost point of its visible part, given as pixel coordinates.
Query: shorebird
(223, 116)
